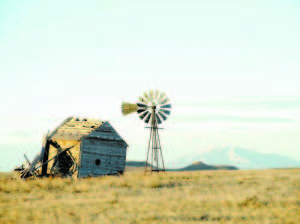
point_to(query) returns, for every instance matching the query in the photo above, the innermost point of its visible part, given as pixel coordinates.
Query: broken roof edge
(119, 135)
(106, 124)
(74, 128)
(66, 131)
(58, 127)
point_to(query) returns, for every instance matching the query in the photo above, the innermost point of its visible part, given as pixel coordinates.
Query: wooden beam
(27, 159)
(45, 158)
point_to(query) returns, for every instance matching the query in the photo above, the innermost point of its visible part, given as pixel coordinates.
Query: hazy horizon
(254, 123)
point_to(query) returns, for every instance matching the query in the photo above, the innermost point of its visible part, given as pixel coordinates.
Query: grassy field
(263, 196)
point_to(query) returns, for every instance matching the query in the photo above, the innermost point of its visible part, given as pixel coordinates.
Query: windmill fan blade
(128, 108)
(166, 106)
(142, 105)
(147, 97)
(142, 116)
(163, 116)
(148, 118)
(165, 101)
(165, 111)
(143, 100)
(156, 94)
(152, 94)
(161, 97)
(158, 119)
(141, 110)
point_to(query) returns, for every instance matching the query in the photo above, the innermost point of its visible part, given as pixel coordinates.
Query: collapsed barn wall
(74, 153)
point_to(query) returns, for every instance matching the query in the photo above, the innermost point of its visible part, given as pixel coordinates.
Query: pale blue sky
(231, 68)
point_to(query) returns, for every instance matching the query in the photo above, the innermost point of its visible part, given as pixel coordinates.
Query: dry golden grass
(265, 196)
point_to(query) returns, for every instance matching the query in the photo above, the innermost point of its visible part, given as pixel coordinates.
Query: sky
(231, 69)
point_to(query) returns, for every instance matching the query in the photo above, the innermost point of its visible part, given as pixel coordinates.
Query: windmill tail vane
(128, 108)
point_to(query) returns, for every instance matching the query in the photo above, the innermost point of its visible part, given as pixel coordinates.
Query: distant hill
(245, 158)
(135, 165)
(202, 166)
(139, 165)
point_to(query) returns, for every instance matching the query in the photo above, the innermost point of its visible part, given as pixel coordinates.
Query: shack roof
(73, 129)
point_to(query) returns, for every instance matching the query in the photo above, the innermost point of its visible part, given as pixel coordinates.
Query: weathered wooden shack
(94, 149)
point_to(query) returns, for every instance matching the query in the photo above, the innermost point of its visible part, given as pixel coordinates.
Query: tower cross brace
(154, 152)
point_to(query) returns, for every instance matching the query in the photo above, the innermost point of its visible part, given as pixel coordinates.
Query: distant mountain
(245, 159)
(138, 165)
(203, 166)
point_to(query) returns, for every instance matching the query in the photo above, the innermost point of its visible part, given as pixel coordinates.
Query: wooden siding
(107, 132)
(106, 145)
(113, 158)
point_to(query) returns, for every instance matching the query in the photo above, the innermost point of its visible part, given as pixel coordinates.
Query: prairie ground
(261, 196)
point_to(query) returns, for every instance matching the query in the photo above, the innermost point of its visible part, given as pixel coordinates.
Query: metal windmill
(153, 107)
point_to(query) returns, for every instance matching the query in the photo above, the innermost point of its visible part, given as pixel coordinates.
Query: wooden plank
(62, 124)
(102, 145)
(108, 152)
(89, 172)
(45, 158)
(71, 129)
(103, 141)
(103, 163)
(91, 152)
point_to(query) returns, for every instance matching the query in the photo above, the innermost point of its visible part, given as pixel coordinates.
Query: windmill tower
(153, 108)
